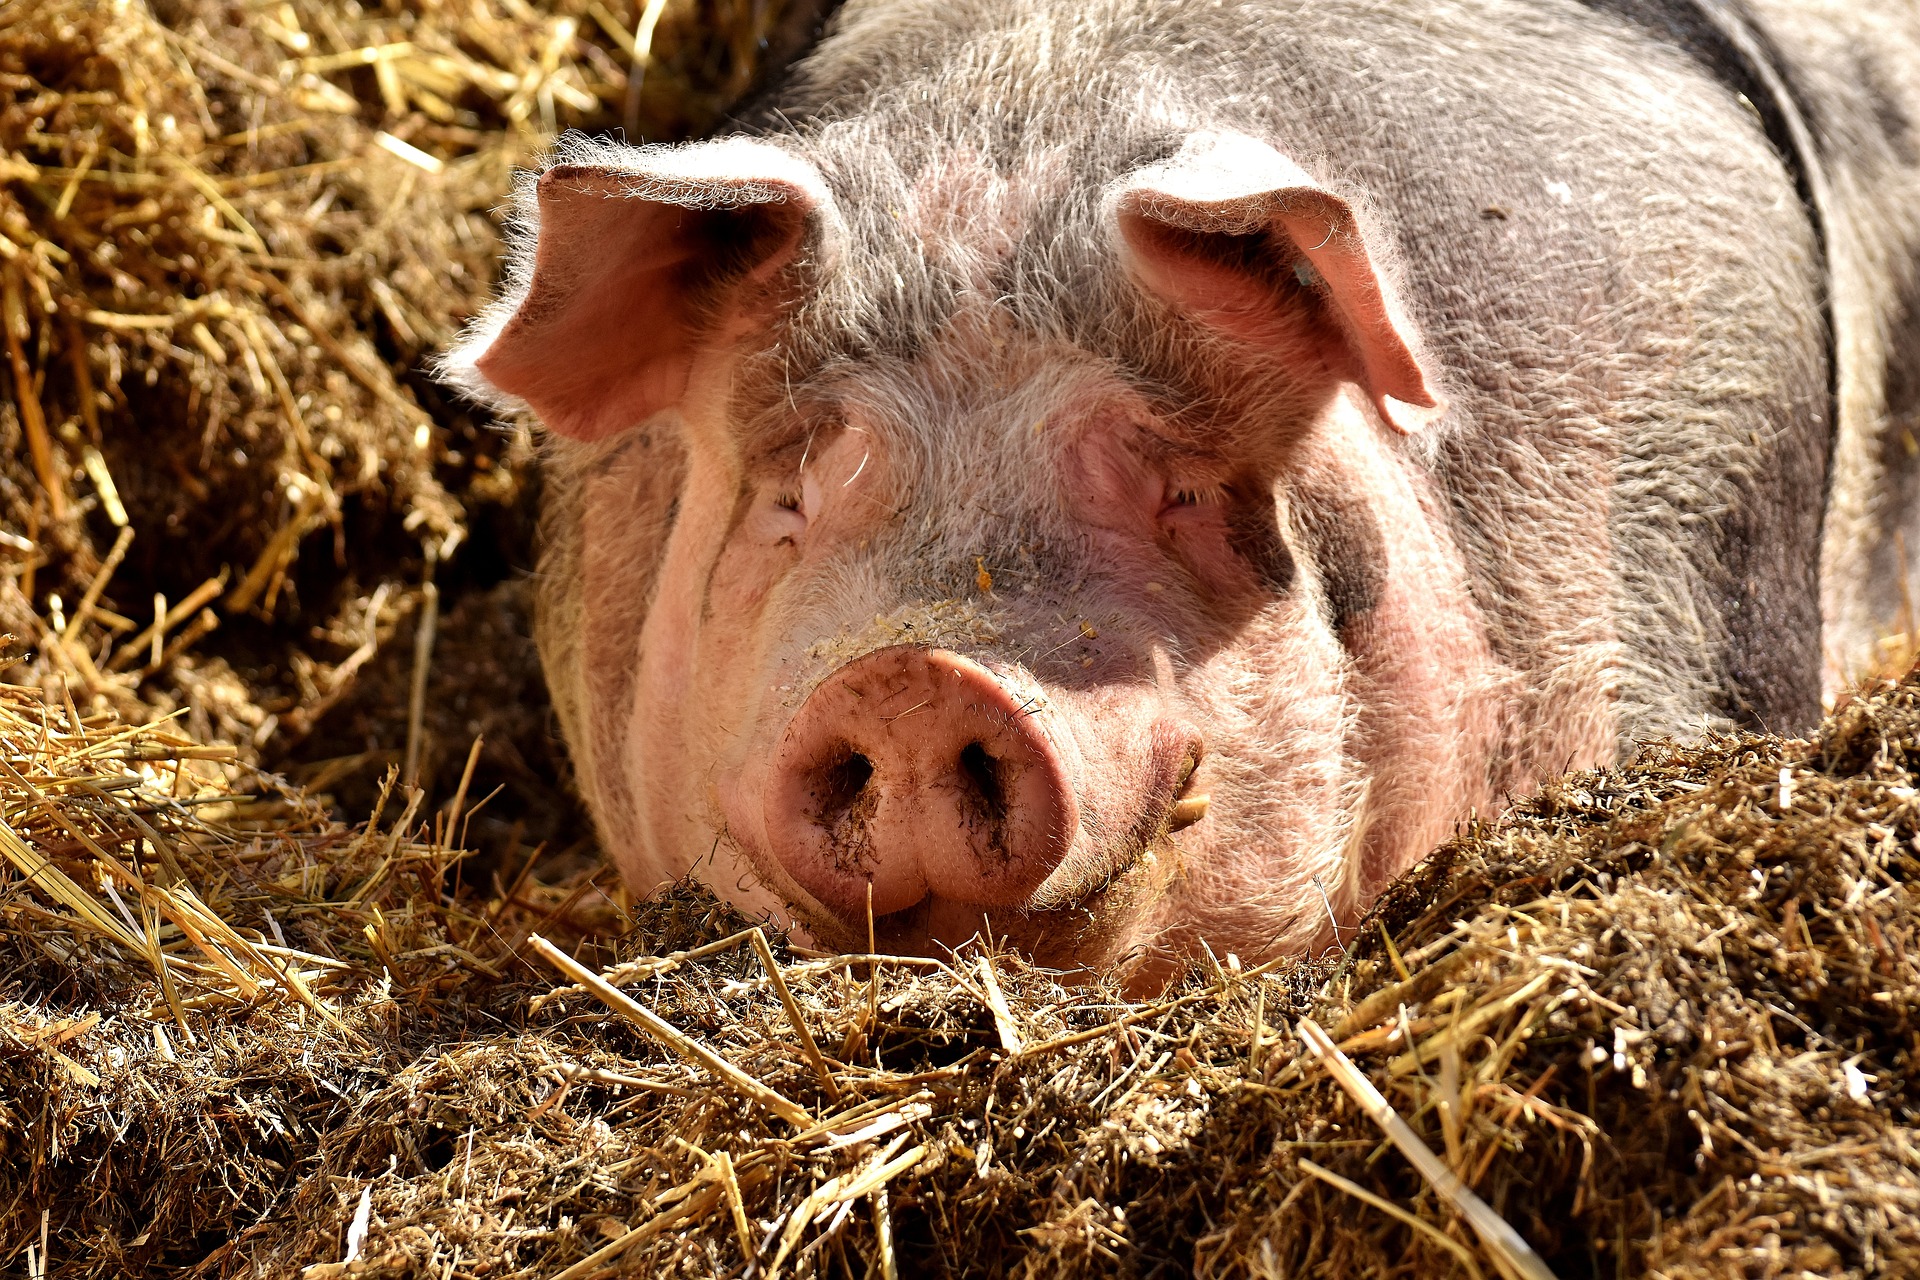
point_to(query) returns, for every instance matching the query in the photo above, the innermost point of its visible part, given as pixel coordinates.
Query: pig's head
(942, 549)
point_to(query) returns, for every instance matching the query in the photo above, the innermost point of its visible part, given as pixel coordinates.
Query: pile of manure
(1658, 1020)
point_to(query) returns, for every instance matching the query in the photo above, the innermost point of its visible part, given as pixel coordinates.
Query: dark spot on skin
(1253, 529)
(1765, 553)
(742, 507)
(1894, 559)
(1903, 355)
(1346, 546)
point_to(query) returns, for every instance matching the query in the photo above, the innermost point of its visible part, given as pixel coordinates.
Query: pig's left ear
(629, 260)
(1240, 237)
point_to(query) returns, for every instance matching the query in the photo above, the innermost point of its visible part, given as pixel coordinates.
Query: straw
(667, 1034)
(1512, 1253)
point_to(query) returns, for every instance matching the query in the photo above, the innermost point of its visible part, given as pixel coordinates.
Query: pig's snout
(922, 773)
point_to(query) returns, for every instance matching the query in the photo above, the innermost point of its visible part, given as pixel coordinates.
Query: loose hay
(231, 238)
(240, 957)
(1660, 1019)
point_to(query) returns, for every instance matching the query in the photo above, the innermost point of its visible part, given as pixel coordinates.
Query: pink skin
(967, 797)
(1414, 704)
(1428, 687)
(916, 772)
(1114, 752)
(611, 246)
(1406, 707)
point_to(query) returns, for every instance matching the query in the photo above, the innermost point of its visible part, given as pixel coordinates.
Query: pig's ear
(627, 261)
(1241, 238)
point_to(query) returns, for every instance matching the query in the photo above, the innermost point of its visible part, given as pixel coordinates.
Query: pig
(1113, 476)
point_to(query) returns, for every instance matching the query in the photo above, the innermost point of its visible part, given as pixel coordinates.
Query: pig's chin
(1091, 933)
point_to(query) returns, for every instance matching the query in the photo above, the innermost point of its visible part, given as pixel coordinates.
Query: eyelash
(1194, 497)
(790, 500)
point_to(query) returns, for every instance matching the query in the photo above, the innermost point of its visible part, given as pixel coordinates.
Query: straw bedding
(1661, 1020)
(1656, 1021)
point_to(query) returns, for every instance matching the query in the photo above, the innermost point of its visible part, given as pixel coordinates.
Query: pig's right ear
(627, 262)
(1239, 237)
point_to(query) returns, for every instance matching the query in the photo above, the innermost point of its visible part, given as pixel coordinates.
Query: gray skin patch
(1897, 554)
(1347, 549)
(1888, 111)
(1763, 565)
(1253, 524)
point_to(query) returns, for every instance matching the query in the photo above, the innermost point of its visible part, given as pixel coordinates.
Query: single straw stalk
(794, 1015)
(1003, 1020)
(1510, 1251)
(666, 1033)
(1395, 1212)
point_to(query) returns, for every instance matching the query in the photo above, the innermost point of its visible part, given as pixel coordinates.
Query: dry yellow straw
(699, 1201)
(1002, 1016)
(1497, 1235)
(1394, 1211)
(666, 1033)
(794, 1016)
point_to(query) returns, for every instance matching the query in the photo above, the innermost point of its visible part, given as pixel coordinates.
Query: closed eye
(1191, 497)
(785, 519)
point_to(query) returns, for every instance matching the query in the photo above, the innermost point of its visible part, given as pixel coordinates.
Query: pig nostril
(840, 785)
(982, 772)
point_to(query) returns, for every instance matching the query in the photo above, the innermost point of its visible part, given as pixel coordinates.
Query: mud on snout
(947, 796)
